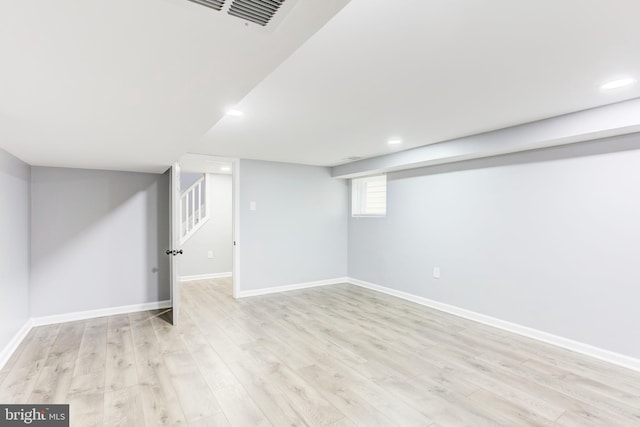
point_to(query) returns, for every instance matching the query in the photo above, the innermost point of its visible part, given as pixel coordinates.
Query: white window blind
(369, 196)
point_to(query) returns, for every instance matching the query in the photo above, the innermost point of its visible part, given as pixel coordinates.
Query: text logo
(34, 415)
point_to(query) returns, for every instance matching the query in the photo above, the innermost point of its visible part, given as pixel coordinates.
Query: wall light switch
(252, 206)
(436, 272)
(210, 254)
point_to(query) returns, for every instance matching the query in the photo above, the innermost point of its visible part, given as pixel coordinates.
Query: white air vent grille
(263, 15)
(257, 11)
(213, 4)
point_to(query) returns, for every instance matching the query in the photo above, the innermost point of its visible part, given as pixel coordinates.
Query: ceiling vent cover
(257, 11)
(213, 4)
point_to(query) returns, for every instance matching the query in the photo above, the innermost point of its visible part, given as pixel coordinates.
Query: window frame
(359, 196)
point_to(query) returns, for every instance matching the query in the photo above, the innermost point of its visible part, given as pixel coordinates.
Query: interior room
(335, 213)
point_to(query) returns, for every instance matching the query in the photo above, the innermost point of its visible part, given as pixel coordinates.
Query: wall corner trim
(10, 348)
(566, 343)
(205, 276)
(292, 287)
(101, 312)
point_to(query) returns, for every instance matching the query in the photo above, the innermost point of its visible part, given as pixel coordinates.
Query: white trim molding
(13, 344)
(576, 346)
(205, 276)
(293, 287)
(236, 226)
(189, 194)
(101, 312)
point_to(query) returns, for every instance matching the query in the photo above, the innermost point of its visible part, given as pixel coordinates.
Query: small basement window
(369, 196)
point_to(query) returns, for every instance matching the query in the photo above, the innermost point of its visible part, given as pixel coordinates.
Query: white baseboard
(205, 276)
(578, 347)
(90, 314)
(8, 350)
(293, 287)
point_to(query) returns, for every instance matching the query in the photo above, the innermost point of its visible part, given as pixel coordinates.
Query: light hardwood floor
(330, 356)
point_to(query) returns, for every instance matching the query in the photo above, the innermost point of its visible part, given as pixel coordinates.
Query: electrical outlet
(252, 206)
(436, 272)
(210, 254)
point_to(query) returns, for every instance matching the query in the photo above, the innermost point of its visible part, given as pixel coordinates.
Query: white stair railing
(193, 209)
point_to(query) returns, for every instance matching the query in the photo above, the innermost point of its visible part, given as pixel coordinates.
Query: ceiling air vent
(213, 4)
(257, 11)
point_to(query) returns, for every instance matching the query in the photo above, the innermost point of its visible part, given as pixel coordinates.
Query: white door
(175, 251)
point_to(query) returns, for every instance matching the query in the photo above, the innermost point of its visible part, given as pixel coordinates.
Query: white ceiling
(129, 84)
(429, 71)
(197, 163)
(134, 84)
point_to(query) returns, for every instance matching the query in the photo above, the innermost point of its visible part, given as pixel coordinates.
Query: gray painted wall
(14, 238)
(298, 232)
(548, 239)
(97, 239)
(215, 235)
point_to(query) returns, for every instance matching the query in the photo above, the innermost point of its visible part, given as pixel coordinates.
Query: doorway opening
(204, 222)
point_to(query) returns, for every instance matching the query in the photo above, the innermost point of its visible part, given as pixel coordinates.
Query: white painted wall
(14, 238)
(548, 239)
(215, 235)
(298, 232)
(97, 239)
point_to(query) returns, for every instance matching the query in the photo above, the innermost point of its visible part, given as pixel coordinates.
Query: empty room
(319, 213)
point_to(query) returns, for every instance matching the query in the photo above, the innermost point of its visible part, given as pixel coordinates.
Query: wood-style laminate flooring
(330, 356)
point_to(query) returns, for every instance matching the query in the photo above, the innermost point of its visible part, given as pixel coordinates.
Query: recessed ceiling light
(615, 84)
(234, 113)
(225, 169)
(394, 141)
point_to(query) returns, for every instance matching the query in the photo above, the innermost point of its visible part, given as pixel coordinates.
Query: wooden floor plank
(329, 356)
(19, 384)
(86, 410)
(160, 401)
(53, 384)
(67, 344)
(236, 404)
(218, 420)
(123, 407)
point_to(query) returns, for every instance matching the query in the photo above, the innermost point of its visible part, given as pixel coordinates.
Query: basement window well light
(369, 196)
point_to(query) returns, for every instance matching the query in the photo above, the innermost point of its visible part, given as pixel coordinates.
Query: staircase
(193, 209)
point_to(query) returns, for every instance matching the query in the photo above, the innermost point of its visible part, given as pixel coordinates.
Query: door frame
(235, 224)
(235, 208)
(174, 241)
